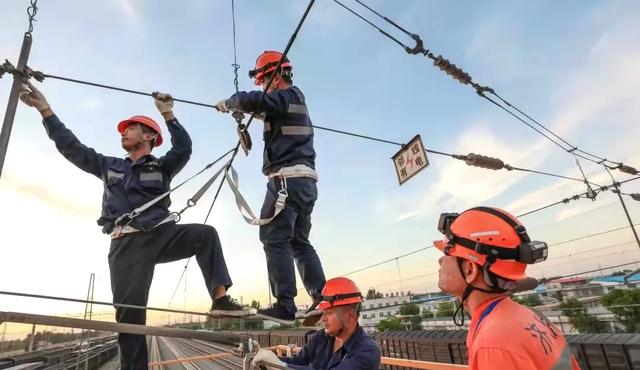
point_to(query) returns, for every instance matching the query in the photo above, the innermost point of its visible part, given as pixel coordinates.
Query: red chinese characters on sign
(410, 160)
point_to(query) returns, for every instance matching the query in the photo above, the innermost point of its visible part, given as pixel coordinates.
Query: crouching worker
(486, 252)
(342, 344)
(153, 237)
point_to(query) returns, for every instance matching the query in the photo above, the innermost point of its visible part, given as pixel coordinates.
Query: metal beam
(12, 105)
(281, 350)
(26, 318)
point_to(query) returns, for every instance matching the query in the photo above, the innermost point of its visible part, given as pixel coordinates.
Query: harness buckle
(128, 217)
(245, 138)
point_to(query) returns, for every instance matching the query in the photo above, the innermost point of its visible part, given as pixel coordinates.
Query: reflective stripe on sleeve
(297, 130)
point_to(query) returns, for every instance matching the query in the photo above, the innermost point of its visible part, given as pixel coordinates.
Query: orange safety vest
(506, 335)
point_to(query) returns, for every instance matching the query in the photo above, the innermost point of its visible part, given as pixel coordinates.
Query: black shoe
(227, 306)
(311, 317)
(278, 314)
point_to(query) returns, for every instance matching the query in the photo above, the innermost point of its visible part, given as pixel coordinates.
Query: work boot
(227, 306)
(311, 317)
(278, 314)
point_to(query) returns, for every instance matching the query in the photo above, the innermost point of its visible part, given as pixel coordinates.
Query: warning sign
(410, 160)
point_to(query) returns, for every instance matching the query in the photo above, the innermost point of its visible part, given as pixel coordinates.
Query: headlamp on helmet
(528, 251)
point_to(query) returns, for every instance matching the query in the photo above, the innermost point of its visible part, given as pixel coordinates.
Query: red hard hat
(338, 292)
(143, 120)
(478, 225)
(266, 63)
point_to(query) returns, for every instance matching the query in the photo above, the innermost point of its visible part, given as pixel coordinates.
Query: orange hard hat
(339, 291)
(266, 63)
(143, 120)
(483, 233)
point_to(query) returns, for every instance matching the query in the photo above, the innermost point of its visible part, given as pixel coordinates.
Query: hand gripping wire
(245, 210)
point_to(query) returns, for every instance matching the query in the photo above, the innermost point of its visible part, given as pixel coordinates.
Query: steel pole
(12, 105)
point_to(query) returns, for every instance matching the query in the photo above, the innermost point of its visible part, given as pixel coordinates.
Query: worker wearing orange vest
(486, 251)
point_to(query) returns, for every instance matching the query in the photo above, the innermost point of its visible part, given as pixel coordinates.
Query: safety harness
(123, 223)
(283, 174)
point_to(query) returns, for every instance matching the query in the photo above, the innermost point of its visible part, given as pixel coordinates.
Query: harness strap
(299, 170)
(125, 219)
(120, 231)
(245, 210)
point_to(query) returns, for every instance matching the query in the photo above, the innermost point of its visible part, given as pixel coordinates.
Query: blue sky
(574, 65)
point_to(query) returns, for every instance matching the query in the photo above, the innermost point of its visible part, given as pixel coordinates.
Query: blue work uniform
(359, 352)
(288, 141)
(132, 257)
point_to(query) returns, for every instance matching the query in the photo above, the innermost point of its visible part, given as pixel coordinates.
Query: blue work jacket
(288, 131)
(359, 352)
(127, 185)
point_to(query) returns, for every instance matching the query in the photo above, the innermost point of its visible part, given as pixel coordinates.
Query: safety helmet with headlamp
(266, 64)
(492, 238)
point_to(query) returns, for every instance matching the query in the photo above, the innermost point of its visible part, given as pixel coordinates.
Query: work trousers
(286, 239)
(132, 259)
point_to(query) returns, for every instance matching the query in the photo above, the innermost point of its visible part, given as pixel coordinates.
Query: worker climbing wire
(341, 345)
(486, 252)
(289, 163)
(139, 241)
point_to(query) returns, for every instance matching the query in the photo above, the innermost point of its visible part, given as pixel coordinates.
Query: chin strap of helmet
(490, 279)
(356, 309)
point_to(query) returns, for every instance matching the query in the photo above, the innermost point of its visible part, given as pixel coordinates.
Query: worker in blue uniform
(341, 345)
(289, 163)
(139, 243)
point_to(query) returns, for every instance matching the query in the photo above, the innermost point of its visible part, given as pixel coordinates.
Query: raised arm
(274, 102)
(67, 143)
(180, 152)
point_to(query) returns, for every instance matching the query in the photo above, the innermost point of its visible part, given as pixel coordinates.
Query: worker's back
(506, 335)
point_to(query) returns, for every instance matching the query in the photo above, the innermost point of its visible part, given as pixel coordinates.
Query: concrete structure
(377, 309)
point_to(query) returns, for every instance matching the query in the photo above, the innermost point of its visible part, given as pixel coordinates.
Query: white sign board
(410, 160)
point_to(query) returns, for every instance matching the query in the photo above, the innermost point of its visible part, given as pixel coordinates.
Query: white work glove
(266, 358)
(164, 102)
(221, 106)
(32, 97)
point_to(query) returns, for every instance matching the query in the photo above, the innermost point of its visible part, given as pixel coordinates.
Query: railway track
(172, 354)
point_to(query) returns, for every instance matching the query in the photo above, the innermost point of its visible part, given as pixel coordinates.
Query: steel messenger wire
(472, 159)
(464, 78)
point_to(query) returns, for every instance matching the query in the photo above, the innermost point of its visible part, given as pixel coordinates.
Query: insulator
(452, 70)
(627, 169)
(590, 193)
(478, 160)
(635, 196)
